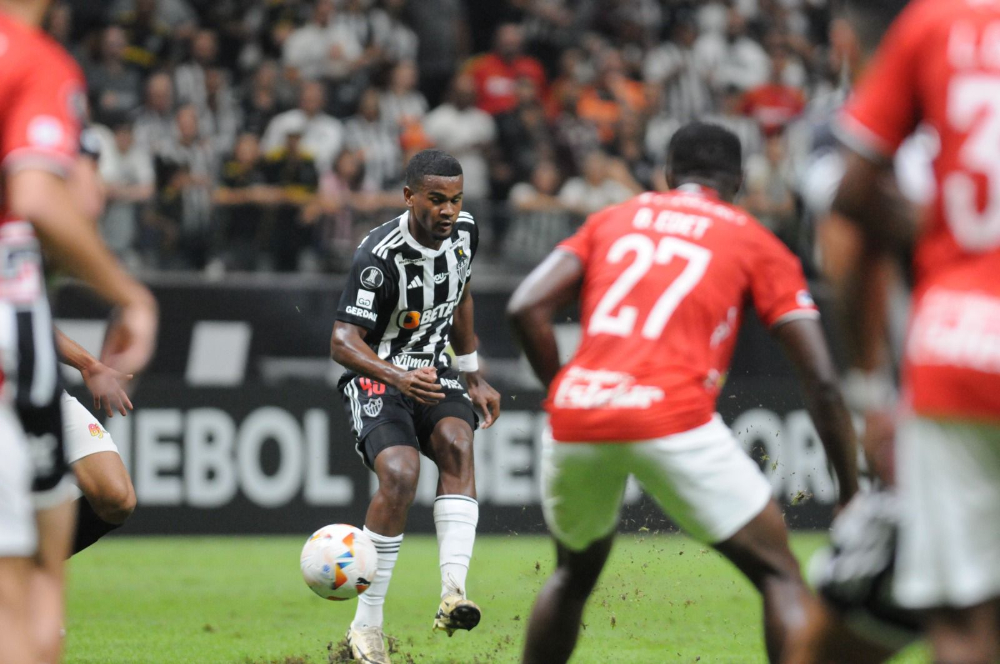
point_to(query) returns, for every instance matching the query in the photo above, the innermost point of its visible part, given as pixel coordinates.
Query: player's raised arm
(106, 385)
(348, 348)
(464, 343)
(805, 344)
(548, 288)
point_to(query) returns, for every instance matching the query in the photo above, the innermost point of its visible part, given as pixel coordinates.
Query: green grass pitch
(662, 598)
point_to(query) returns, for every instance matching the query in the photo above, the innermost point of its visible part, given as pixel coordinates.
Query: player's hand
(107, 387)
(421, 385)
(484, 397)
(131, 337)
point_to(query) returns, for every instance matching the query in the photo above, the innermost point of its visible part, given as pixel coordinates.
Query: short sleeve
(884, 109)
(581, 243)
(41, 123)
(370, 291)
(777, 285)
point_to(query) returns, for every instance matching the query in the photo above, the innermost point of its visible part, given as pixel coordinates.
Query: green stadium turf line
(185, 600)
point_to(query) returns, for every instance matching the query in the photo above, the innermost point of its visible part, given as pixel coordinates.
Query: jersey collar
(698, 189)
(404, 227)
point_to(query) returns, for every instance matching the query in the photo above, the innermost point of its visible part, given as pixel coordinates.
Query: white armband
(467, 363)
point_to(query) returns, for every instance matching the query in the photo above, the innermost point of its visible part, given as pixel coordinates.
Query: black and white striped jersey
(405, 294)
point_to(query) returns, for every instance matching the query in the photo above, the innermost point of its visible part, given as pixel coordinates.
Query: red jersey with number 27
(940, 65)
(666, 277)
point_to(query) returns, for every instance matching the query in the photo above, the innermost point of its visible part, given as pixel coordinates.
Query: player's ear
(407, 196)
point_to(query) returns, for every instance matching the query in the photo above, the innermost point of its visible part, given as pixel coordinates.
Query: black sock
(89, 526)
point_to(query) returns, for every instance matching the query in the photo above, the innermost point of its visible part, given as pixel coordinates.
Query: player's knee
(454, 453)
(397, 478)
(116, 502)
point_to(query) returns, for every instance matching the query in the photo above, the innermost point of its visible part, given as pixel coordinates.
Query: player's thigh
(380, 417)
(83, 433)
(582, 489)
(18, 533)
(105, 482)
(949, 485)
(703, 480)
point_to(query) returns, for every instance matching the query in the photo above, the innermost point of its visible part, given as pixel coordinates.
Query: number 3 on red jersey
(647, 254)
(974, 107)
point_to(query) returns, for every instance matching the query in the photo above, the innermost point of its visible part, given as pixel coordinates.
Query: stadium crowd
(272, 134)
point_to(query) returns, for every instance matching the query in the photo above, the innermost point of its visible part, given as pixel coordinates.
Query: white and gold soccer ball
(338, 562)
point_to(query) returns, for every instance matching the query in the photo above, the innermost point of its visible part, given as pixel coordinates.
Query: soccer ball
(338, 562)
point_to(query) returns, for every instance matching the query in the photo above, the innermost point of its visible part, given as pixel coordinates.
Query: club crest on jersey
(804, 299)
(372, 277)
(409, 320)
(373, 407)
(461, 256)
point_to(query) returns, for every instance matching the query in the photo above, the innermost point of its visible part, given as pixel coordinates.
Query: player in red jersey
(42, 89)
(939, 66)
(663, 279)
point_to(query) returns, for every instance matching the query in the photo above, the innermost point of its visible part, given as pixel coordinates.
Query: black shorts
(382, 417)
(43, 427)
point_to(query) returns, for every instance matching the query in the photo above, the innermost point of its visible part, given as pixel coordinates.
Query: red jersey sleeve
(777, 285)
(884, 109)
(581, 243)
(41, 124)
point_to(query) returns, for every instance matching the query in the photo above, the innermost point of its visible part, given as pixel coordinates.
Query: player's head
(706, 154)
(433, 192)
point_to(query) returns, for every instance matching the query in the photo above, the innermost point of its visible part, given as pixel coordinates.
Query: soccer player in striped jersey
(406, 298)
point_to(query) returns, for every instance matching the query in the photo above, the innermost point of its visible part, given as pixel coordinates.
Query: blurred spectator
(444, 39)
(612, 94)
(395, 39)
(466, 132)
(322, 135)
(540, 219)
(575, 137)
(351, 206)
(768, 191)
(524, 134)
(402, 104)
(574, 72)
(291, 169)
(322, 47)
(732, 118)
(630, 152)
(127, 171)
(260, 99)
(597, 188)
(189, 78)
(59, 24)
(154, 125)
(774, 104)
(673, 67)
(240, 198)
(115, 87)
(149, 38)
(733, 58)
(495, 73)
(377, 144)
(197, 159)
(220, 118)
(551, 26)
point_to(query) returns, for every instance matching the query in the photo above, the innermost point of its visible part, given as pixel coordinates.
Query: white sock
(455, 518)
(369, 611)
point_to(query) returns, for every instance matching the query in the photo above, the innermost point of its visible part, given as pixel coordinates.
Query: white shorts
(701, 478)
(949, 540)
(83, 434)
(18, 536)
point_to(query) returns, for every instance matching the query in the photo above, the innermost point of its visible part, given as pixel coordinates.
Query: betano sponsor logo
(411, 320)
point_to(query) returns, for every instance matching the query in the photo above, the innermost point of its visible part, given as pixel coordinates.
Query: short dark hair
(705, 150)
(429, 163)
(870, 19)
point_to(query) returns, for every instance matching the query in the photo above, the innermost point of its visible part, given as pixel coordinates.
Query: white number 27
(647, 253)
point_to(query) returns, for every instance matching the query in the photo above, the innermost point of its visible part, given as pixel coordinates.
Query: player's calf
(555, 620)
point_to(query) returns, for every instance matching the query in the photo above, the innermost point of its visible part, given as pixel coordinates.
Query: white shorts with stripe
(18, 536)
(949, 536)
(702, 479)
